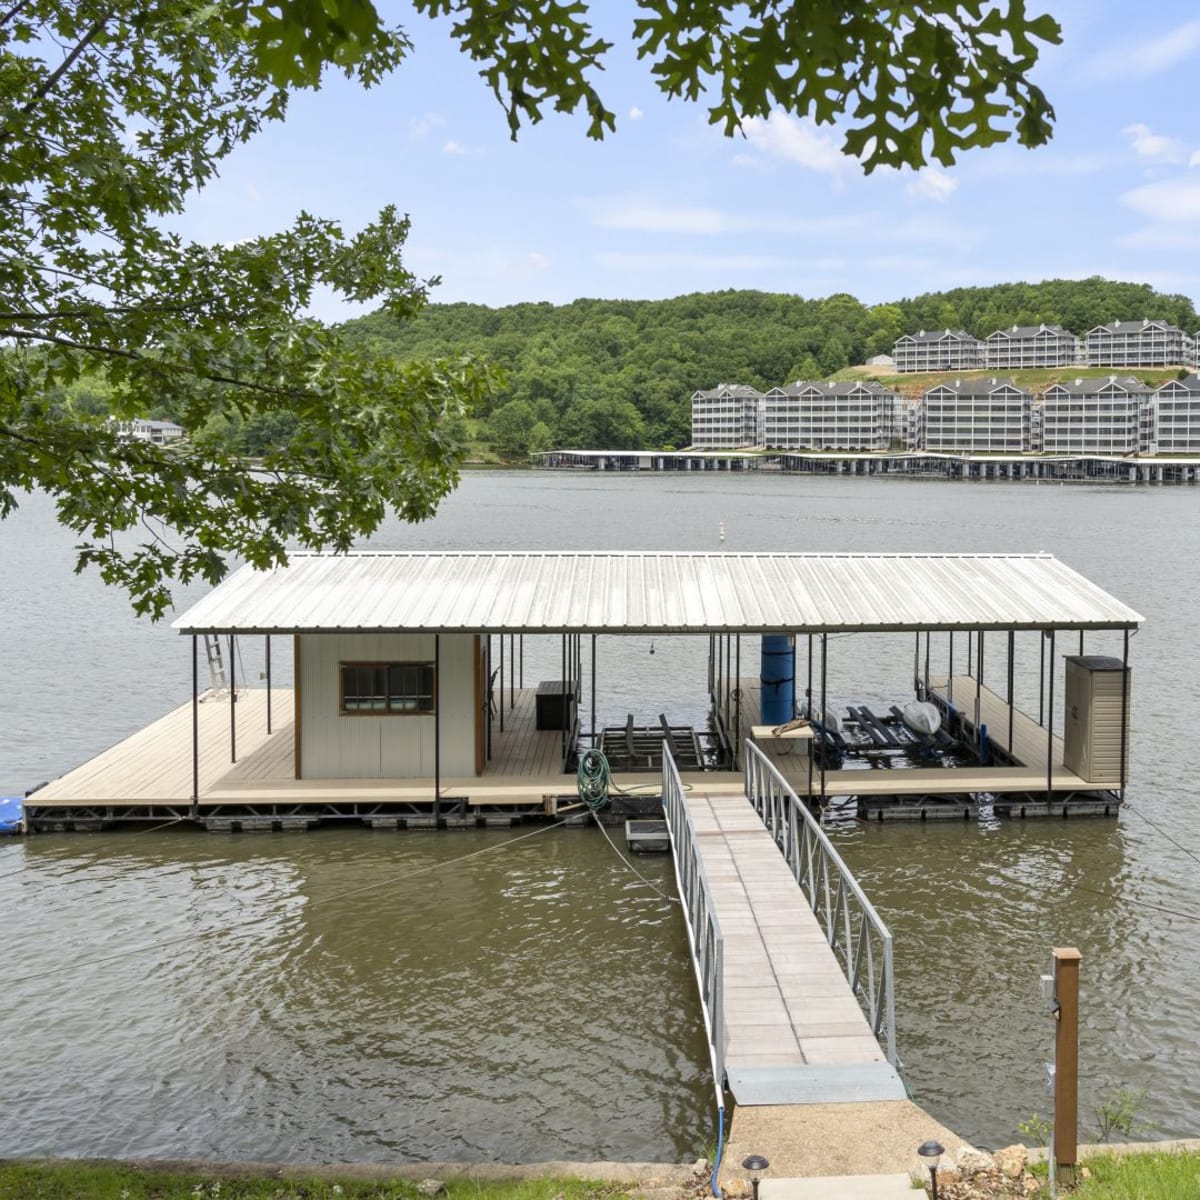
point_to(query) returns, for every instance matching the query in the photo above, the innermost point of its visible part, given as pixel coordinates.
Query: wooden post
(1066, 1063)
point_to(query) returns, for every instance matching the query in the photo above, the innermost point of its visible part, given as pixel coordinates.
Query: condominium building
(941, 350)
(1143, 343)
(1103, 415)
(976, 415)
(726, 417)
(1024, 346)
(1175, 417)
(828, 416)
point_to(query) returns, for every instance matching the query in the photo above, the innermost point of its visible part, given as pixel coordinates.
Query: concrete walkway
(819, 1141)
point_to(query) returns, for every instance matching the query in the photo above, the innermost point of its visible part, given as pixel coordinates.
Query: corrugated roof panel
(640, 592)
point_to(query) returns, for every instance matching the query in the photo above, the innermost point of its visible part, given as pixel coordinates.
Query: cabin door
(481, 706)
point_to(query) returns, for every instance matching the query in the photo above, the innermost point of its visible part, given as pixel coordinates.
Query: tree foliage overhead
(112, 114)
(579, 369)
(914, 79)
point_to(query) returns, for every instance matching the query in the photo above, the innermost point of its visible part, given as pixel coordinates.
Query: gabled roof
(1097, 383)
(1027, 332)
(655, 593)
(979, 387)
(939, 335)
(839, 387)
(1189, 383)
(1125, 327)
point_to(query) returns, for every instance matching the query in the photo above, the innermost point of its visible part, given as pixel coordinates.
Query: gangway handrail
(855, 932)
(700, 915)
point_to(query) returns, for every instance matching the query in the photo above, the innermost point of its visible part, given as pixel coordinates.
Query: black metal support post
(592, 736)
(737, 702)
(268, 685)
(808, 704)
(501, 687)
(824, 698)
(950, 672)
(487, 699)
(232, 703)
(1012, 639)
(1124, 709)
(1050, 728)
(437, 728)
(196, 726)
(1042, 680)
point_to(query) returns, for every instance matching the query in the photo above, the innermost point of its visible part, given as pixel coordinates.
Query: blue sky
(668, 205)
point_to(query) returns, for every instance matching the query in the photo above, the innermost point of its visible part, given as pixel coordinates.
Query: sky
(668, 205)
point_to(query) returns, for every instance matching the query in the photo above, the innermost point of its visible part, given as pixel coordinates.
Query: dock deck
(148, 776)
(795, 1033)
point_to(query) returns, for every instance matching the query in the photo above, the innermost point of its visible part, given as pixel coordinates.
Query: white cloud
(421, 127)
(636, 215)
(1194, 161)
(795, 141)
(453, 147)
(719, 262)
(251, 192)
(1154, 146)
(1161, 237)
(1002, 164)
(539, 262)
(1150, 57)
(932, 184)
(635, 113)
(1169, 201)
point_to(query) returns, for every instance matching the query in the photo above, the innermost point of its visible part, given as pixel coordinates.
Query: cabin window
(386, 689)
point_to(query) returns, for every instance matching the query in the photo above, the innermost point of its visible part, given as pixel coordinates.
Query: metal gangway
(793, 964)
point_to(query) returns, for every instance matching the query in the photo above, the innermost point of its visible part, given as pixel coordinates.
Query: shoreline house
(160, 433)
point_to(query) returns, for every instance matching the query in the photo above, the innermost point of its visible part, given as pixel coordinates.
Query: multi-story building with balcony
(852, 415)
(1175, 417)
(1143, 343)
(1103, 415)
(727, 417)
(941, 350)
(1021, 347)
(975, 416)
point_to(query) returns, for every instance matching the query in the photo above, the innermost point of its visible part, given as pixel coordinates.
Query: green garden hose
(593, 779)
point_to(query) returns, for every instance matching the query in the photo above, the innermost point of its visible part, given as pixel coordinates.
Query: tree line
(619, 374)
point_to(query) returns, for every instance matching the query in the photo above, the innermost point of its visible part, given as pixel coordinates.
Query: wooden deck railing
(857, 935)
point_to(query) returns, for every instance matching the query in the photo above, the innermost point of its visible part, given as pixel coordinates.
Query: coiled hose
(593, 779)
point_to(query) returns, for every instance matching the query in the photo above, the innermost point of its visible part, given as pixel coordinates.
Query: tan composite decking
(154, 765)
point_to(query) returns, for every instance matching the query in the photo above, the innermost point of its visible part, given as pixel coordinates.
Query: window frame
(388, 710)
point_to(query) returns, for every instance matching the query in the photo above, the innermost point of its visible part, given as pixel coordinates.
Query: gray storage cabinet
(1096, 724)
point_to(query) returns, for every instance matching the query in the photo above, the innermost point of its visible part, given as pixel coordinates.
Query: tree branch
(51, 81)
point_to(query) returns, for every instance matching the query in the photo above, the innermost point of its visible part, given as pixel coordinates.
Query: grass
(1151, 1176)
(63, 1180)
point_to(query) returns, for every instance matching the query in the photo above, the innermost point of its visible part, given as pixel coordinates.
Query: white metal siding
(334, 746)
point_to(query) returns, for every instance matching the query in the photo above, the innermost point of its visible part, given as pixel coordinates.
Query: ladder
(217, 678)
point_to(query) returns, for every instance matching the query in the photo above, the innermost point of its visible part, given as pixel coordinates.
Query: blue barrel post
(778, 684)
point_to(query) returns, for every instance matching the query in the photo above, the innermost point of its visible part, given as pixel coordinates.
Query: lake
(347, 995)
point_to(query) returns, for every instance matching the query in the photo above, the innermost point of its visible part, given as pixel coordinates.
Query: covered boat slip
(406, 702)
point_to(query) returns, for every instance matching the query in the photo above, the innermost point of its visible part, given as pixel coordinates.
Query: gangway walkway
(794, 966)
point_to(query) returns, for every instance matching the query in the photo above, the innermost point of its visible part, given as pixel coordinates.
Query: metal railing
(859, 939)
(700, 914)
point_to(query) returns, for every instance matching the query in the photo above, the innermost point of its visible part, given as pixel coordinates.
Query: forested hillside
(620, 373)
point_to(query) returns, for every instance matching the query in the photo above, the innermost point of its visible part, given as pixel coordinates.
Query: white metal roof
(655, 593)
